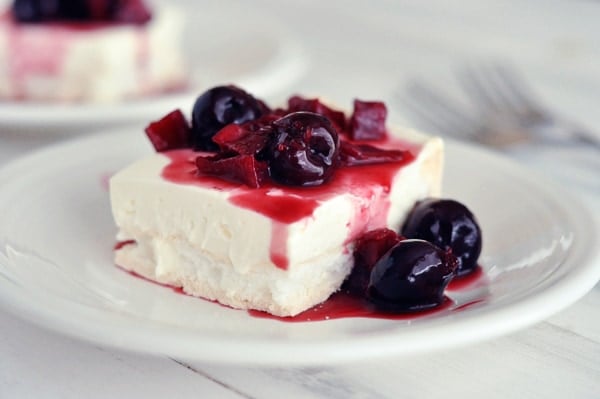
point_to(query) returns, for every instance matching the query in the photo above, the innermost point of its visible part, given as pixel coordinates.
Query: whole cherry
(447, 224)
(303, 149)
(411, 276)
(218, 107)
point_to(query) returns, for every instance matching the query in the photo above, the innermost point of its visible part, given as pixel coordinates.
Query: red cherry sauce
(471, 280)
(341, 305)
(368, 185)
(121, 244)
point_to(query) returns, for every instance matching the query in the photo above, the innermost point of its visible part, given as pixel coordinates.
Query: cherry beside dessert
(449, 225)
(303, 150)
(395, 274)
(411, 276)
(219, 107)
(125, 11)
(368, 249)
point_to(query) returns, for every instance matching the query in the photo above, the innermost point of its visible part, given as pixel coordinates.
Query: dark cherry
(170, 132)
(367, 250)
(218, 107)
(36, 10)
(368, 120)
(411, 276)
(449, 225)
(128, 11)
(303, 150)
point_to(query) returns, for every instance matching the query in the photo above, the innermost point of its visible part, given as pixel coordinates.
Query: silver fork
(506, 112)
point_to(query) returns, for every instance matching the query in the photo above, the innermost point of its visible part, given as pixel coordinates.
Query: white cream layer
(61, 63)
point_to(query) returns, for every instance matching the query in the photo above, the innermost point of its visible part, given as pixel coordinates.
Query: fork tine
(434, 121)
(426, 118)
(520, 94)
(498, 88)
(483, 88)
(430, 120)
(435, 110)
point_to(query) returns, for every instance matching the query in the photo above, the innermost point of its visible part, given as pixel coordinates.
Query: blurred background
(354, 49)
(381, 50)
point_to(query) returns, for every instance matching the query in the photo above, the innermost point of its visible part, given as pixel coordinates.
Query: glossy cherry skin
(304, 149)
(218, 107)
(126, 11)
(368, 249)
(447, 224)
(36, 10)
(411, 276)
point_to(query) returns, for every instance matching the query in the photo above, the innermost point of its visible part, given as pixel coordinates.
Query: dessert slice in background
(89, 51)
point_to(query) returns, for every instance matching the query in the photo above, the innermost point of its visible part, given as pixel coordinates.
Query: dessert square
(275, 243)
(66, 57)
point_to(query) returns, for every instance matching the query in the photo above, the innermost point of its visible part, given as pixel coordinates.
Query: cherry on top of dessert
(337, 118)
(448, 224)
(301, 145)
(219, 107)
(169, 133)
(118, 11)
(368, 120)
(242, 168)
(303, 149)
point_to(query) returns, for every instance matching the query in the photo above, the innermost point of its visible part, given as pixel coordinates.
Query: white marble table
(388, 40)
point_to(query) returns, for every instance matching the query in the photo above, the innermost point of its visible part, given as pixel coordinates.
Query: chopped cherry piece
(449, 225)
(249, 138)
(368, 249)
(411, 276)
(304, 149)
(219, 107)
(353, 154)
(132, 11)
(368, 120)
(171, 132)
(337, 118)
(240, 169)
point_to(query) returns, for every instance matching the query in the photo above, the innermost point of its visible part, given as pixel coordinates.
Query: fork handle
(564, 132)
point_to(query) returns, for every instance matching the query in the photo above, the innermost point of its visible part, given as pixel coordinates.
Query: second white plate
(258, 54)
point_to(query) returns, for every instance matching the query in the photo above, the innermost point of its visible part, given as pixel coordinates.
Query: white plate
(56, 238)
(262, 57)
